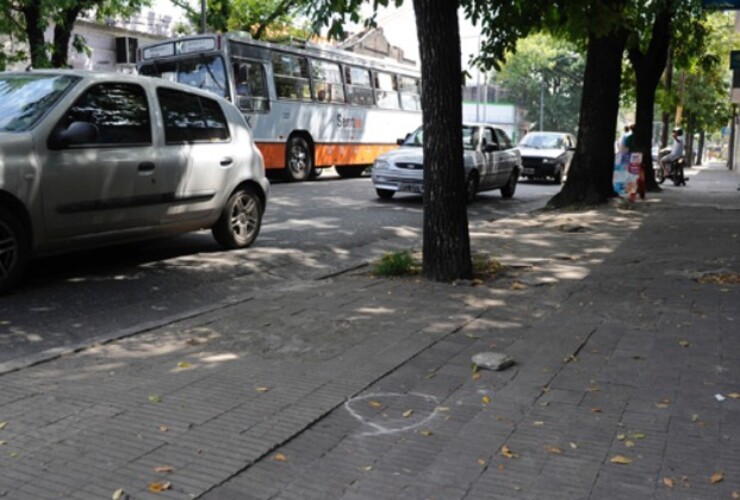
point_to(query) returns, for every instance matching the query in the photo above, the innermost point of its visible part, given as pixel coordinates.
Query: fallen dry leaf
(118, 494)
(683, 343)
(426, 432)
(486, 399)
(736, 494)
(442, 408)
(164, 469)
(408, 413)
(184, 365)
(506, 451)
(3, 425)
(629, 444)
(160, 487)
(621, 437)
(664, 403)
(518, 286)
(262, 388)
(621, 460)
(638, 435)
(367, 468)
(734, 395)
(573, 445)
(375, 404)
(717, 477)
(476, 376)
(669, 482)
(596, 410)
(482, 462)
(3, 443)
(280, 457)
(554, 450)
(163, 428)
(155, 398)
(538, 423)
(592, 388)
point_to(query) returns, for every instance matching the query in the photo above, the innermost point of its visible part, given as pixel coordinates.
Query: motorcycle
(676, 173)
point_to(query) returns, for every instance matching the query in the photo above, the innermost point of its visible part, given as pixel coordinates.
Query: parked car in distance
(547, 155)
(490, 160)
(89, 159)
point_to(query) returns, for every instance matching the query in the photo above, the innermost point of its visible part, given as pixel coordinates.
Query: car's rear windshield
(25, 98)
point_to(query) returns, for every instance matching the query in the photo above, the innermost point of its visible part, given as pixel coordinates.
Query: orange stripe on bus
(326, 155)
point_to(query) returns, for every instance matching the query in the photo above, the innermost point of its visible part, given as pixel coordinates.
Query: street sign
(720, 4)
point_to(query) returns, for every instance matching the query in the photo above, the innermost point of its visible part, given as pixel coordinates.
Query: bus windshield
(203, 72)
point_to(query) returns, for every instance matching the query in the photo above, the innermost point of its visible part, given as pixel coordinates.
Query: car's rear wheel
(14, 249)
(508, 190)
(471, 186)
(385, 194)
(240, 220)
(298, 159)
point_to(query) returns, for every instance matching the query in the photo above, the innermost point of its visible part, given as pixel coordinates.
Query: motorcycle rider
(676, 151)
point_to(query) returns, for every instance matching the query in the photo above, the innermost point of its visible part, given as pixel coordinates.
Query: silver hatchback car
(89, 159)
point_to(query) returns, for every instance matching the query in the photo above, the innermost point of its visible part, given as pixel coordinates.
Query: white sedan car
(491, 162)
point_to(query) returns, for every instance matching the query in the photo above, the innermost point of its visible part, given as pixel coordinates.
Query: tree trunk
(591, 172)
(668, 85)
(35, 26)
(648, 69)
(446, 245)
(689, 138)
(700, 148)
(62, 36)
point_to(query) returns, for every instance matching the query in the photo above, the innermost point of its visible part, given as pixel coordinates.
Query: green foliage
(263, 19)
(396, 264)
(542, 60)
(26, 21)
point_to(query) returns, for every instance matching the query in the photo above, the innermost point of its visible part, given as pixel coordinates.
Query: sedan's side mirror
(75, 133)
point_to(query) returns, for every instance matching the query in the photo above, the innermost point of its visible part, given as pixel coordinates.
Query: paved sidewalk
(355, 387)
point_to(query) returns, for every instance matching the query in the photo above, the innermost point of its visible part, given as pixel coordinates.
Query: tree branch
(281, 9)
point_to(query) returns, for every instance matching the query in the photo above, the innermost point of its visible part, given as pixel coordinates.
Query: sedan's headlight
(381, 165)
(548, 160)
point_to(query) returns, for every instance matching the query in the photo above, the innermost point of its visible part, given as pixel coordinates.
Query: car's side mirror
(76, 133)
(400, 141)
(245, 103)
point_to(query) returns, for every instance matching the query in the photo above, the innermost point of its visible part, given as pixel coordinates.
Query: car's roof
(544, 132)
(111, 75)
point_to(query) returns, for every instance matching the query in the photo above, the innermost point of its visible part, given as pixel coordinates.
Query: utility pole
(202, 16)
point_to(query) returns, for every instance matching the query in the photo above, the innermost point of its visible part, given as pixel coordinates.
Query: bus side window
(251, 90)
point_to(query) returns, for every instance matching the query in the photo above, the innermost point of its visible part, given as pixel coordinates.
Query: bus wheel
(350, 171)
(298, 161)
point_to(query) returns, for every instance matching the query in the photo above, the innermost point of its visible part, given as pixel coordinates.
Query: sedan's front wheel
(240, 220)
(385, 194)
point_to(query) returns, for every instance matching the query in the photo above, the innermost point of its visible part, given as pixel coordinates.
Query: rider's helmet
(678, 131)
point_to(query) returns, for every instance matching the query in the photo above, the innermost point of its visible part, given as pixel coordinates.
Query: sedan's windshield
(203, 72)
(542, 141)
(416, 138)
(26, 98)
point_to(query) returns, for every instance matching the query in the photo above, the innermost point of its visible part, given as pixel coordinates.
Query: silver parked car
(88, 159)
(547, 154)
(490, 160)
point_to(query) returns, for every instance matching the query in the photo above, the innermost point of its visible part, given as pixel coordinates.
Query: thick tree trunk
(700, 148)
(35, 26)
(446, 246)
(666, 115)
(592, 169)
(62, 36)
(648, 68)
(689, 139)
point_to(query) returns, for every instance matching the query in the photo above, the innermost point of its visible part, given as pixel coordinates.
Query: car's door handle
(146, 166)
(226, 161)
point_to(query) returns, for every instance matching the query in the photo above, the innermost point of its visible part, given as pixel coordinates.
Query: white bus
(308, 107)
